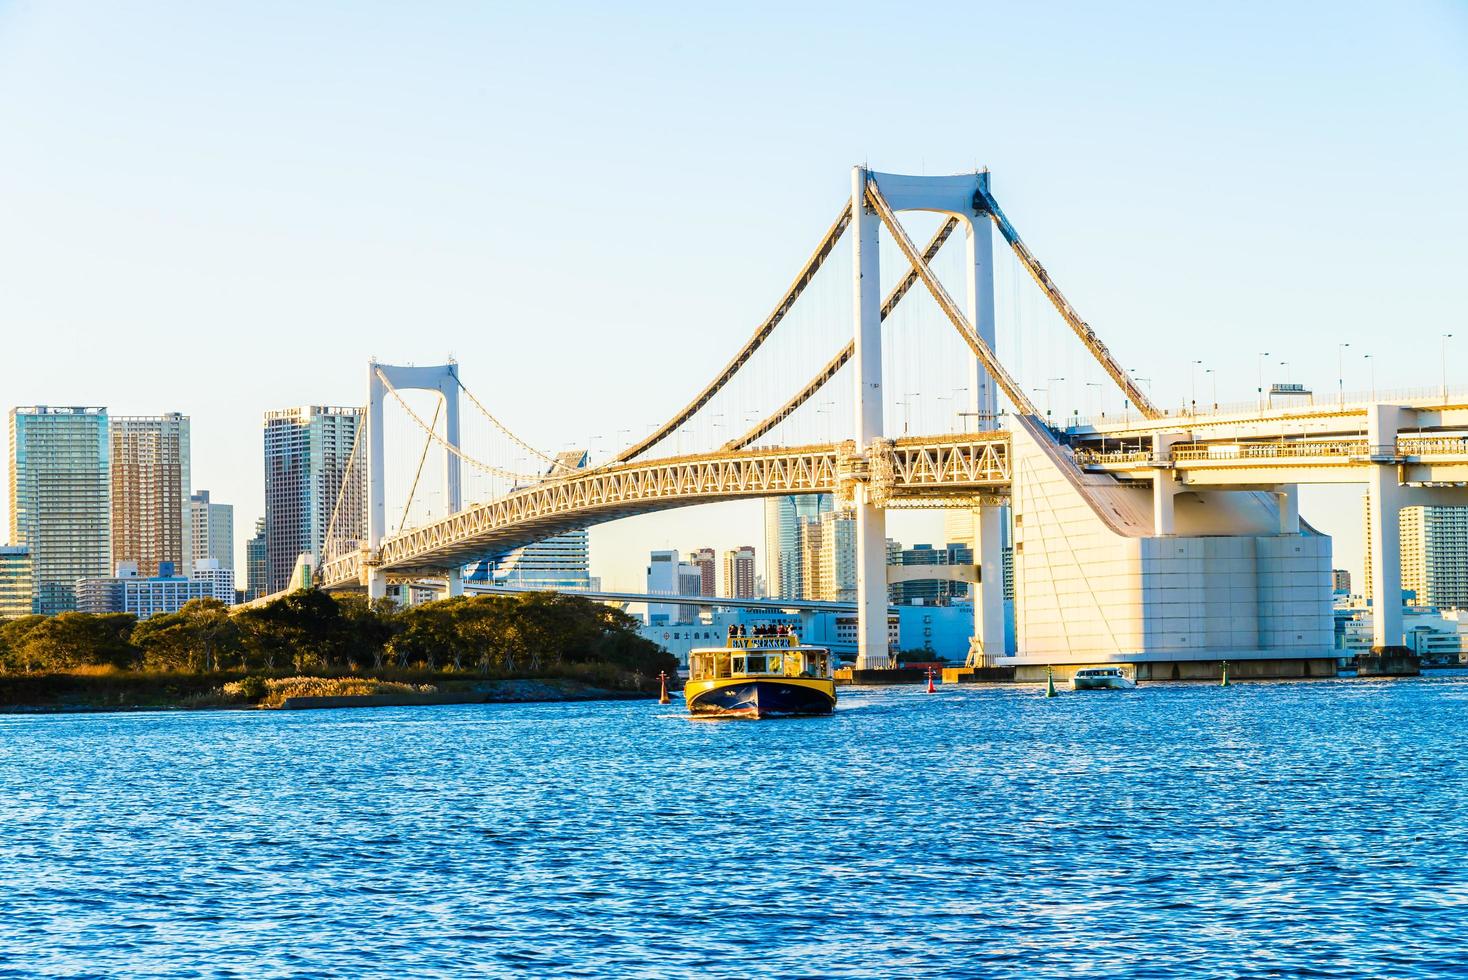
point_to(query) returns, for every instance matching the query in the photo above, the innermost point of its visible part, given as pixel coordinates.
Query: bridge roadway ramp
(1096, 583)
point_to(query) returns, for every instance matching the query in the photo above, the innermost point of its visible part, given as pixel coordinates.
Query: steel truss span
(960, 467)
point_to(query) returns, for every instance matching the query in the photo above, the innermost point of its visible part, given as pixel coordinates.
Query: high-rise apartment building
(828, 556)
(1340, 581)
(739, 576)
(15, 581)
(150, 490)
(212, 527)
(255, 563)
(59, 495)
(1434, 555)
(958, 528)
(782, 540)
(307, 455)
(705, 560)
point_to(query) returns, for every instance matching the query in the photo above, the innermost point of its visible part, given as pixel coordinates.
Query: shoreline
(94, 695)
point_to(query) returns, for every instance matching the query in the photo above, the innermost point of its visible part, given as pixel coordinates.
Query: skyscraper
(307, 452)
(59, 499)
(255, 563)
(666, 575)
(150, 491)
(828, 556)
(704, 559)
(782, 540)
(739, 573)
(212, 527)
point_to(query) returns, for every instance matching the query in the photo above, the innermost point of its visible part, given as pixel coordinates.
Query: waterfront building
(219, 579)
(15, 581)
(667, 575)
(308, 454)
(704, 559)
(1439, 637)
(828, 557)
(59, 499)
(212, 527)
(150, 490)
(739, 575)
(1340, 581)
(1434, 554)
(782, 540)
(127, 591)
(255, 563)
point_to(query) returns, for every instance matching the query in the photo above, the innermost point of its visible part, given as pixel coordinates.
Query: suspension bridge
(1152, 536)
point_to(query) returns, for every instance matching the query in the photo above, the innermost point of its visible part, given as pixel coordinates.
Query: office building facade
(59, 499)
(668, 575)
(130, 592)
(930, 591)
(308, 454)
(150, 490)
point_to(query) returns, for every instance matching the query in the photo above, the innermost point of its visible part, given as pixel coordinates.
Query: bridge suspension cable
(449, 447)
(960, 322)
(985, 201)
(555, 463)
(418, 474)
(328, 550)
(761, 334)
(834, 365)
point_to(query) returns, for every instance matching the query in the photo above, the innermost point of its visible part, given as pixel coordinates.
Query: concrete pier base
(977, 675)
(1285, 668)
(1388, 662)
(881, 675)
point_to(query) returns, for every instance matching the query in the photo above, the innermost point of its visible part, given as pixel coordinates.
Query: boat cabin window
(738, 667)
(755, 664)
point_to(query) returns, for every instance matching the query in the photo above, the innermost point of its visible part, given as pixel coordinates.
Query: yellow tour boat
(760, 677)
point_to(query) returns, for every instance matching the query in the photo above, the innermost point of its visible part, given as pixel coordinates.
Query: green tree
(201, 636)
(70, 640)
(14, 655)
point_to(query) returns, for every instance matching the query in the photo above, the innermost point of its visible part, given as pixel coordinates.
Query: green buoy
(1050, 682)
(1224, 682)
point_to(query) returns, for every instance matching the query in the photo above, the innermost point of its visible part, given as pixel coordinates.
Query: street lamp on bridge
(1340, 372)
(1262, 355)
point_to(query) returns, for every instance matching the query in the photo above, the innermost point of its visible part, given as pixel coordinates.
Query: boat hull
(774, 697)
(1102, 684)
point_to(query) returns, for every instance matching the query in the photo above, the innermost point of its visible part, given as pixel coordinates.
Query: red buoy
(931, 688)
(663, 697)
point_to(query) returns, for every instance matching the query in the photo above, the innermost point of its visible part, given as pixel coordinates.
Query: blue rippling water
(1264, 830)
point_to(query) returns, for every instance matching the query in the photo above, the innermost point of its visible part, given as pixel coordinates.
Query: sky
(227, 208)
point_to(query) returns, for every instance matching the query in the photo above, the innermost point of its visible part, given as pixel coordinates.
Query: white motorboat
(1101, 679)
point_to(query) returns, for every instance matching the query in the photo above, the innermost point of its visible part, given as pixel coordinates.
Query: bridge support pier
(1289, 509)
(454, 582)
(1384, 500)
(376, 583)
(871, 520)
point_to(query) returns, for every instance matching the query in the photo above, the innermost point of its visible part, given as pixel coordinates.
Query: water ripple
(1265, 830)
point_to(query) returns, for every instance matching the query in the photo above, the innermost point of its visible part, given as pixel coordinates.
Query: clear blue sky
(228, 207)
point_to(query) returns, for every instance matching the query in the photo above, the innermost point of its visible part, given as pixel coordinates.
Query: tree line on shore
(311, 632)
